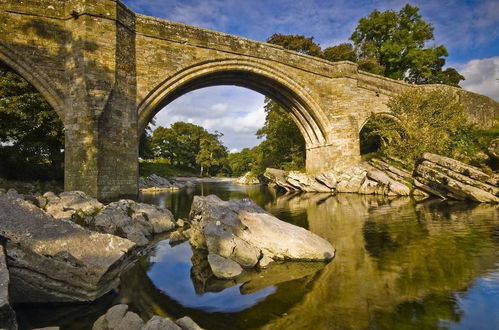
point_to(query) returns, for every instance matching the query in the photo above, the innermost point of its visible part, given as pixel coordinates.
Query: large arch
(243, 73)
(34, 77)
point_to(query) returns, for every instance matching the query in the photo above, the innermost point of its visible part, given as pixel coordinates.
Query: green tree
(426, 121)
(242, 162)
(212, 155)
(31, 133)
(298, 43)
(145, 144)
(341, 52)
(179, 144)
(284, 146)
(396, 41)
(186, 145)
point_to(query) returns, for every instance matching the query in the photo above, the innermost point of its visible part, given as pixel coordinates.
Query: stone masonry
(107, 71)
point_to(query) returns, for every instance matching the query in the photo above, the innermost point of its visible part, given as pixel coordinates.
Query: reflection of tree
(396, 263)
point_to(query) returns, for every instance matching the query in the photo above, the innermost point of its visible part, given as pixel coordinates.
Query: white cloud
(236, 112)
(482, 76)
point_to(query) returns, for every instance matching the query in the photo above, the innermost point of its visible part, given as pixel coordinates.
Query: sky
(469, 29)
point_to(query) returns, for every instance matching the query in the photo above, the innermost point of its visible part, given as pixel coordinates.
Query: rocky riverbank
(434, 175)
(69, 247)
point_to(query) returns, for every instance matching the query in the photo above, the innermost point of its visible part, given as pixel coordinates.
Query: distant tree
(396, 41)
(145, 144)
(187, 145)
(341, 52)
(212, 155)
(31, 132)
(242, 162)
(298, 43)
(179, 144)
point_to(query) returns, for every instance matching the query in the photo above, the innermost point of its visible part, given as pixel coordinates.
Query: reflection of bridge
(107, 71)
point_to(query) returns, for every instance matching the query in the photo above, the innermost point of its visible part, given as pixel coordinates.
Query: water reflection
(399, 264)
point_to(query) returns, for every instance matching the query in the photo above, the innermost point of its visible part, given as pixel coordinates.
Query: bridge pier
(334, 156)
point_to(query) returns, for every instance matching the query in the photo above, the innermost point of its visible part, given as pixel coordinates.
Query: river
(398, 265)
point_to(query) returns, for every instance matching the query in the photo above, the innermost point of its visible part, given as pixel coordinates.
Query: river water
(398, 265)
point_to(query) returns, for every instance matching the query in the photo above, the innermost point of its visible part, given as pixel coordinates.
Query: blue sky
(469, 30)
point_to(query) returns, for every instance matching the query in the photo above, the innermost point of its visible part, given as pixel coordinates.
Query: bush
(426, 121)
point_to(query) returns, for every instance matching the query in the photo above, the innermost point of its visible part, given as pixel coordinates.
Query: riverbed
(399, 264)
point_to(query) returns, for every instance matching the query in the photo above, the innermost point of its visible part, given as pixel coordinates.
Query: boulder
(186, 323)
(304, 182)
(244, 232)
(224, 268)
(449, 178)
(159, 323)
(328, 179)
(157, 183)
(279, 177)
(119, 317)
(7, 315)
(56, 260)
(393, 186)
(68, 203)
(134, 221)
(248, 179)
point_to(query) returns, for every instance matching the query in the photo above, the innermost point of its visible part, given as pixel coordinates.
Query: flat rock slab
(56, 260)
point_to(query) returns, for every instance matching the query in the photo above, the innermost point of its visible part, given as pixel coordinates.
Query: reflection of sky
(171, 273)
(480, 304)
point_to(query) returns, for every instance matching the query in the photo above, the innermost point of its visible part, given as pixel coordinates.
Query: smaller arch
(388, 115)
(370, 143)
(34, 77)
(244, 73)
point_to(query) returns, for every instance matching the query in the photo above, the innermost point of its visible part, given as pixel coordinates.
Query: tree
(31, 133)
(426, 121)
(187, 145)
(341, 52)
(396, 41)
(145, 144)
(242, 162)
(298, 43)
(212, 155)
(284, 146)
(179, 144)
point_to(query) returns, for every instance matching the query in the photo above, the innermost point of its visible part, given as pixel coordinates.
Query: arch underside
(302, 112)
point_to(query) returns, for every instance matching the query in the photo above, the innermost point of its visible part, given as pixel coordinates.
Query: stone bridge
(107, 71)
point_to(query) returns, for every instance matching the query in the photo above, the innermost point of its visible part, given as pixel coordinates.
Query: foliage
(341, 52)
(298, 43)
(396, 41)
(284, 146)
(242, 162)
(31, 133)
(185, 145)
(426, 121)
(212, 155)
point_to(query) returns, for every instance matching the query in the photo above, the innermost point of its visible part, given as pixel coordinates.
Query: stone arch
(243, 73)
(385, 114)
(366, 145)
(34, 77)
